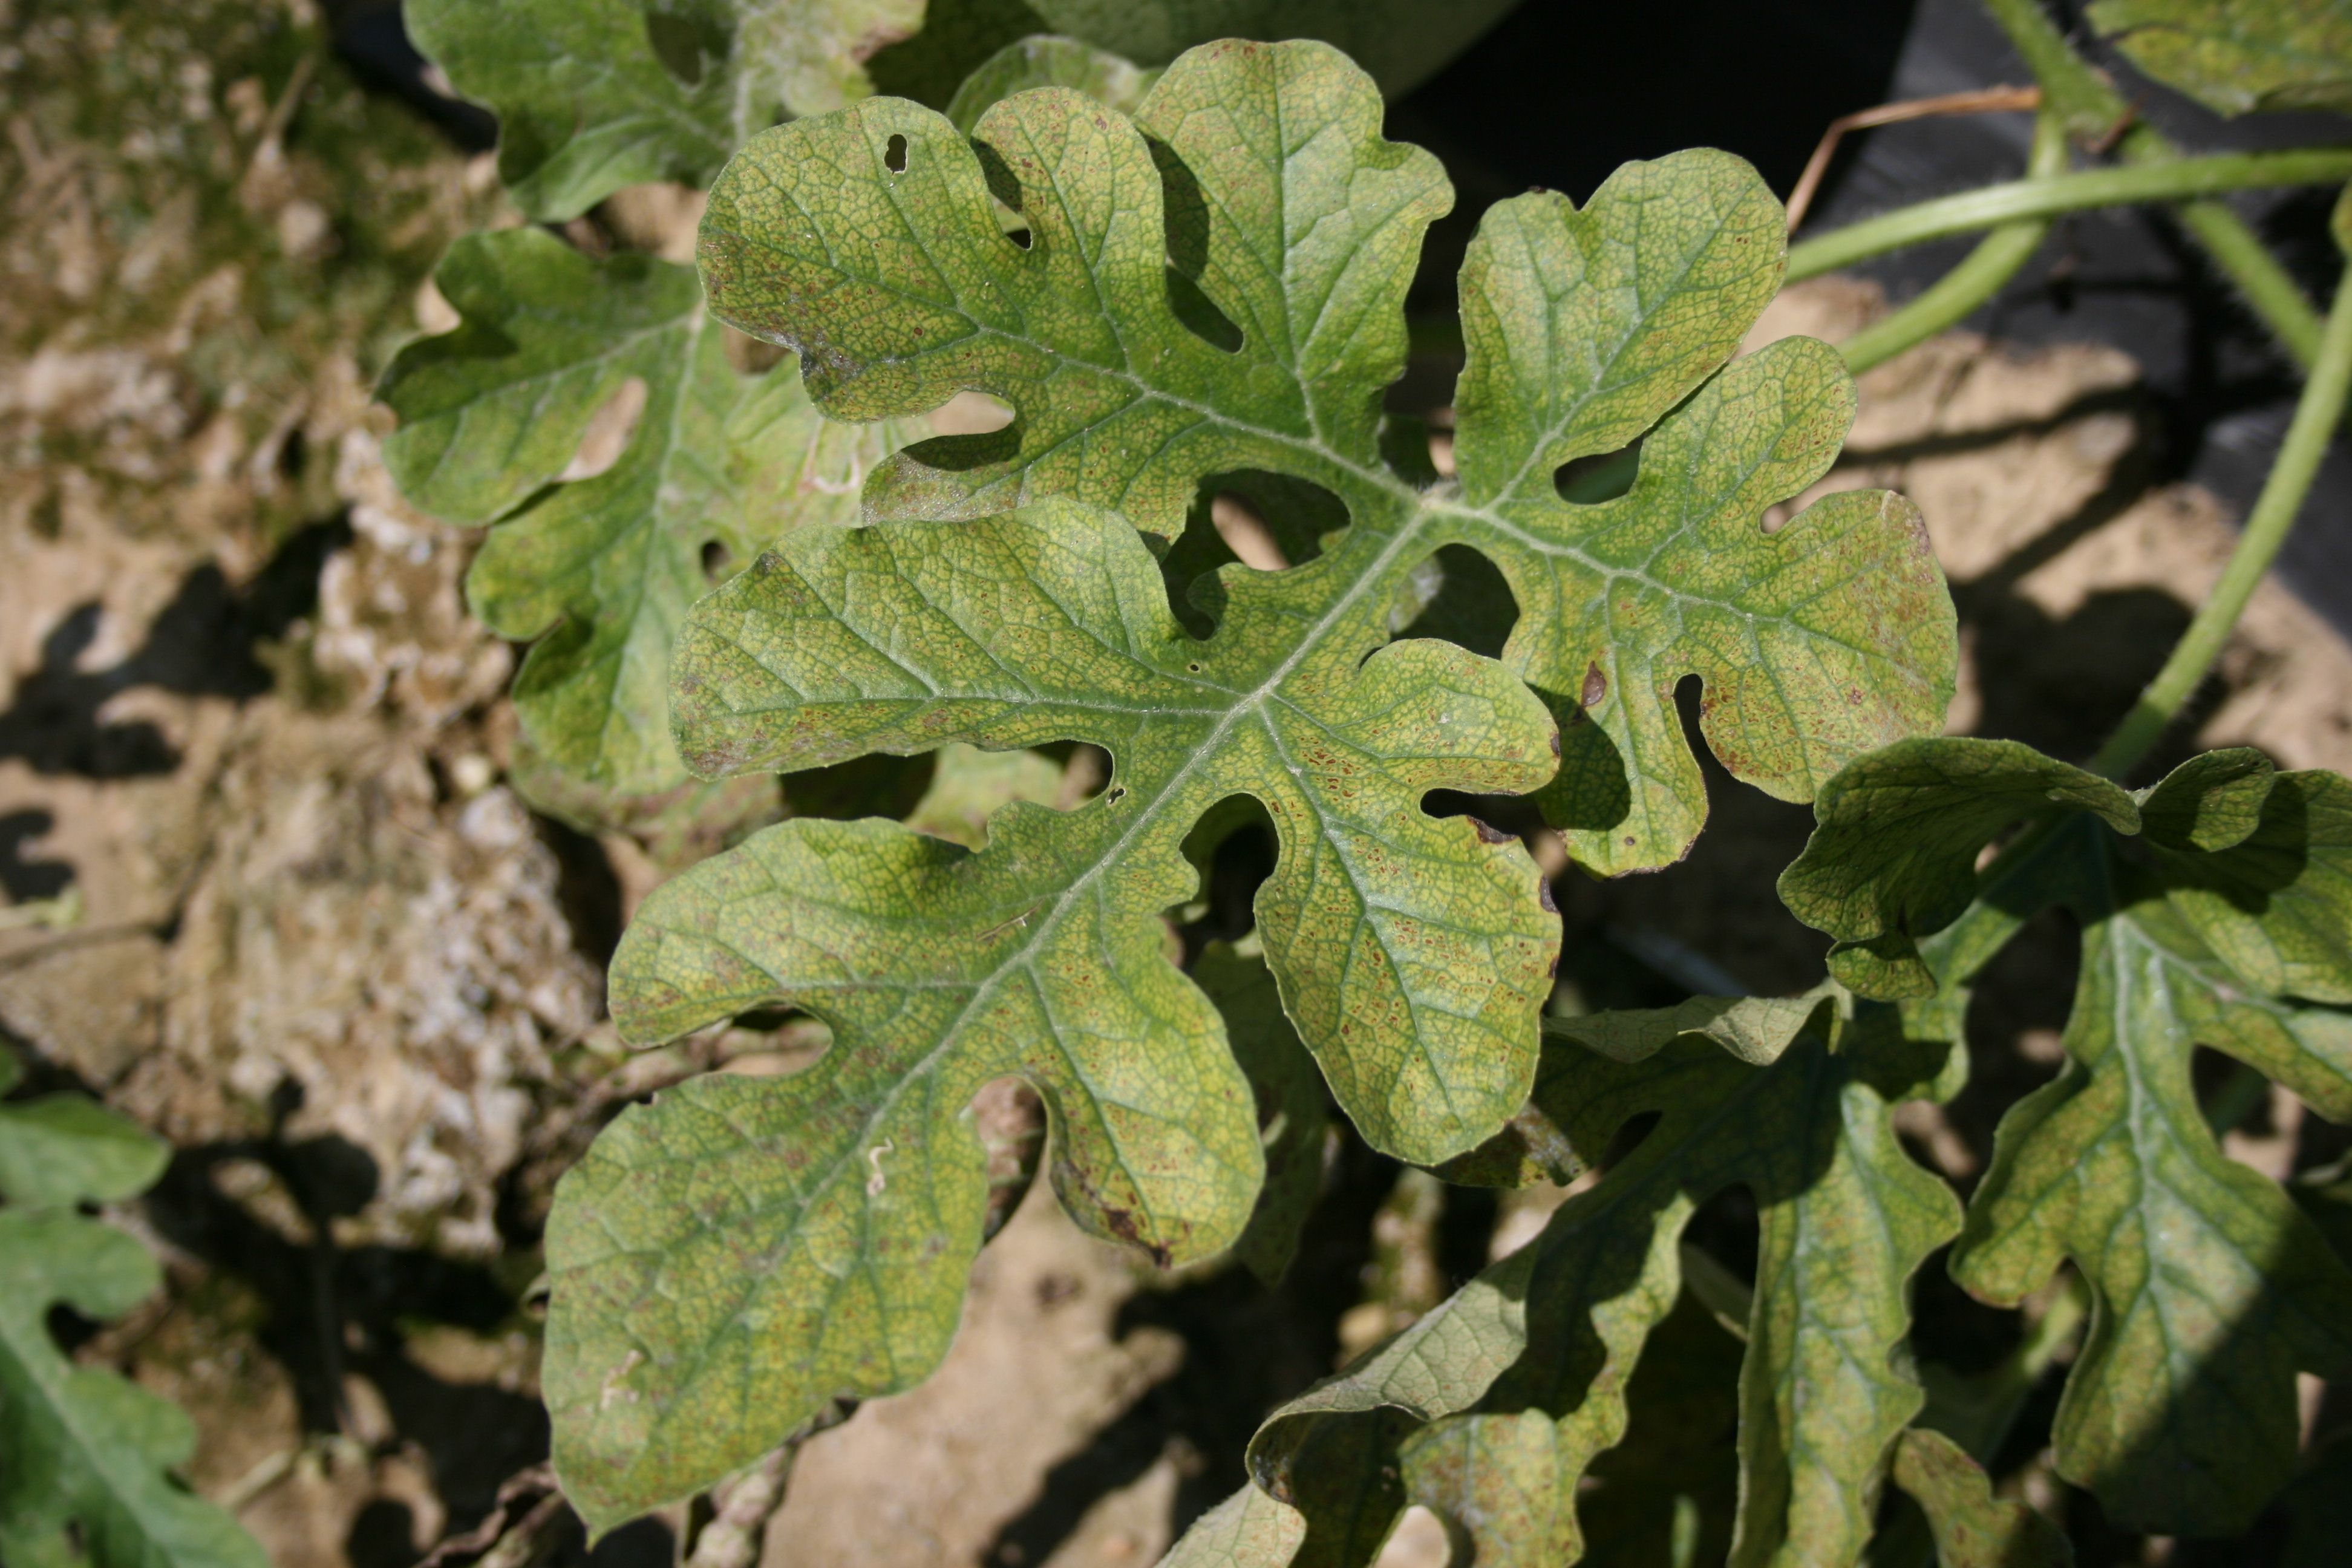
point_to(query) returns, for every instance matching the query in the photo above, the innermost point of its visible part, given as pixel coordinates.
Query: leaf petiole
(2090, 106)
(2317, 413)
(1994, 262)
(2180, 180)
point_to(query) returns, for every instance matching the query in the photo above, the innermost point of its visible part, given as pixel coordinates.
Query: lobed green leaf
(592, 95)
(1492, 1408)
(81, 1449)
(2232, 932)
(600, 569)
(1212, 289)
(1893, 858)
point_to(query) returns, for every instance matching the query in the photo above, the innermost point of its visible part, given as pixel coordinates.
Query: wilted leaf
(988, 602)
(1972, 1528)
(1555, 1330)
(600, 569)
(592, 95)
(2212, 1287)
(2239, 55)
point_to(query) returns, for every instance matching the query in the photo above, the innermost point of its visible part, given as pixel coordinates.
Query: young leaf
(1047, 61)
(2238, 55)
(80, 1445)
(592, 95)
(1893, 857)
(2214, 1288)
(600, 569)
(2236, 933)
(1973, 1528)
(1399, 42)
(1551, 1333)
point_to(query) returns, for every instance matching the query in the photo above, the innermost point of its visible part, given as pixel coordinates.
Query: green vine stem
(2315, 417)
(2047, 197)
(1994, 262)
(2093, 109)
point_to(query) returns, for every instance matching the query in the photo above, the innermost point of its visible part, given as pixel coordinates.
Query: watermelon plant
(1184, 273)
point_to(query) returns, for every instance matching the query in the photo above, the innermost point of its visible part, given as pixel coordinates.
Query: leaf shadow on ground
(202, 644)
(21, 877)
(328, 1312)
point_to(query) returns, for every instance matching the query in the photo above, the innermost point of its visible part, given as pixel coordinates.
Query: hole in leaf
(608, 432)
(1777, 515)
(1200, 315)
(877, 786)
(1599, 477)
(2233, 1097)
(1456, 596)
(1010, 1119)
(894, 155)
(1628, 1138)
(1234, 848)
(717, 562)
(1085, 769)
(970, 412)
(1266, 521)
(1020, 236)
(1246, 533)
(773, 1042)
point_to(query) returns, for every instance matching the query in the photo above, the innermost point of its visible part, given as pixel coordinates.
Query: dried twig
(1984, 101)
(498, 1543)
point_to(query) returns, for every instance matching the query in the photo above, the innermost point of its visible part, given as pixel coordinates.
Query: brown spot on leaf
(1489, 833)
(1596, 686)
(1543, 897)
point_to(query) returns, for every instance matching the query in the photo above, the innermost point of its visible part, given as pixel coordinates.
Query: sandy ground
(270, 886)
